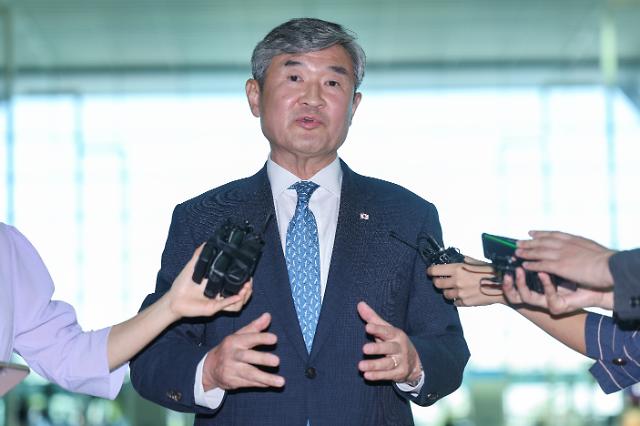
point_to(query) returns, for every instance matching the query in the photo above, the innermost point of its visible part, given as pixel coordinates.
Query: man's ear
(253, 96)
(357, 97)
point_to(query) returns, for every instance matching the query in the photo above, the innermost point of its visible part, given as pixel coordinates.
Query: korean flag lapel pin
(364, 216)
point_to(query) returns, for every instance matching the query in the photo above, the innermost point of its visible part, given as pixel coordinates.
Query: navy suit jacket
(625, 269)
(325, 386)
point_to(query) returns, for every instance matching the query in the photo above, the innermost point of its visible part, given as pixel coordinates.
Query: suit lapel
(352, 232)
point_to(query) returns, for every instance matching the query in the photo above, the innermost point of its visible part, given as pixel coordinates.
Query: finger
(537, 234)
(225, 303)
(550, 290)
(194, 258)
(187, 271)
(254, 377)
(375, 376)
(235, 307)
(381, 348)
(251, 340)
(441, 270)
(450, 294)
(369, 315)
(244, 295)
(538, 266)
(521, 284)
(442, 282)
(257, 325)
(509, 290)
(380, 364)
(266, 359)
(540, 243)
(526, 294)
(482, 271)
(382, 332)
(248, 290)
(541, 250)
(555, 302)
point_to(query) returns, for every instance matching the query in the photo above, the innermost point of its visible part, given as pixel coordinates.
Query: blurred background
(509, 115)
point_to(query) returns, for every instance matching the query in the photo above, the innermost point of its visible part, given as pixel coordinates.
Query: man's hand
(467, 284)
(231, 364)
(558, 300)
(571, 257)
(400, 362)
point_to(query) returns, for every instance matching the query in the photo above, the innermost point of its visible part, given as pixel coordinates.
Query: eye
(293, 78)
(333, 83)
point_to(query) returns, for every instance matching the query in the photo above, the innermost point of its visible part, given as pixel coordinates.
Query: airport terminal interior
(508, 115)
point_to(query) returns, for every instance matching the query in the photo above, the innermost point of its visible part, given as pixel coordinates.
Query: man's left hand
(399, 362)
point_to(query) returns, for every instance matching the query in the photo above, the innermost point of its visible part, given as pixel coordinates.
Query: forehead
(334, 58)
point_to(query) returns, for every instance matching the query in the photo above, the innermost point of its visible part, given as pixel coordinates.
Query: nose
(312, 96)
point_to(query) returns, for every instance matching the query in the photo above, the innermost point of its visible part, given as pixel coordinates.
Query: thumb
(257, 325)
(367, 313)
(195, 256)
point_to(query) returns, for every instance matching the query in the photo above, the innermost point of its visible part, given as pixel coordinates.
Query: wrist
(413, 379)
(606, 300)
(168, 304)
(208, 381)
(606, 277)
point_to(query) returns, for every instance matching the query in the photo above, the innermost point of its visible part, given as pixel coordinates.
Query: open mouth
(308, 122)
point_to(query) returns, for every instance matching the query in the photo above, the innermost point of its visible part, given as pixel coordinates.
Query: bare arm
(469, 285)
(568, 329)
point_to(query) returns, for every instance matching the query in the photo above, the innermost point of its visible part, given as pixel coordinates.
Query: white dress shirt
(325, 205)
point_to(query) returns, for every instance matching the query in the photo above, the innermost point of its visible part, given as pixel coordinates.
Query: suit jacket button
(619, 361)
(174, 395)
(310, 372)
(432, 396)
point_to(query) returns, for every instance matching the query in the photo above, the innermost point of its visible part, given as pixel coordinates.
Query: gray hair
(304, 35)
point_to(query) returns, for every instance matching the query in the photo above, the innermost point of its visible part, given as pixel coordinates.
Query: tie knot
(304, 188)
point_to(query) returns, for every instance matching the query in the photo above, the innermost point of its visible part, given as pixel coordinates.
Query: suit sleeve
(616, 350)
(164, 372)
(625, 269)
(434, 328)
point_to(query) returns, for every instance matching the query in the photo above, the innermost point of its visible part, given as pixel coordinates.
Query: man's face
(306, 105)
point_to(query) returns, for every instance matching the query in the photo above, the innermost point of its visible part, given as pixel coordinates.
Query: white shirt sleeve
(414, 390)
(210, 399)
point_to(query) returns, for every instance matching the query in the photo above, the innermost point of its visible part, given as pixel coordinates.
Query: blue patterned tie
(303, 262)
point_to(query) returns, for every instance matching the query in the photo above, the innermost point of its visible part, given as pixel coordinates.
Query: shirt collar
(329, 178)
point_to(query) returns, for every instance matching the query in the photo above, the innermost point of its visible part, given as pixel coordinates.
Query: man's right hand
(232, 364)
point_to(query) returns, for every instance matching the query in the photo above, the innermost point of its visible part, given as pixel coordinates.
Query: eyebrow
(339, 69)
(335, 68)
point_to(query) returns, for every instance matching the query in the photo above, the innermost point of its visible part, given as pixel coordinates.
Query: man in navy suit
(344, 327)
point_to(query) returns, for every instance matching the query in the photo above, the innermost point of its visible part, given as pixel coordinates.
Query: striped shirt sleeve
(615, 350)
